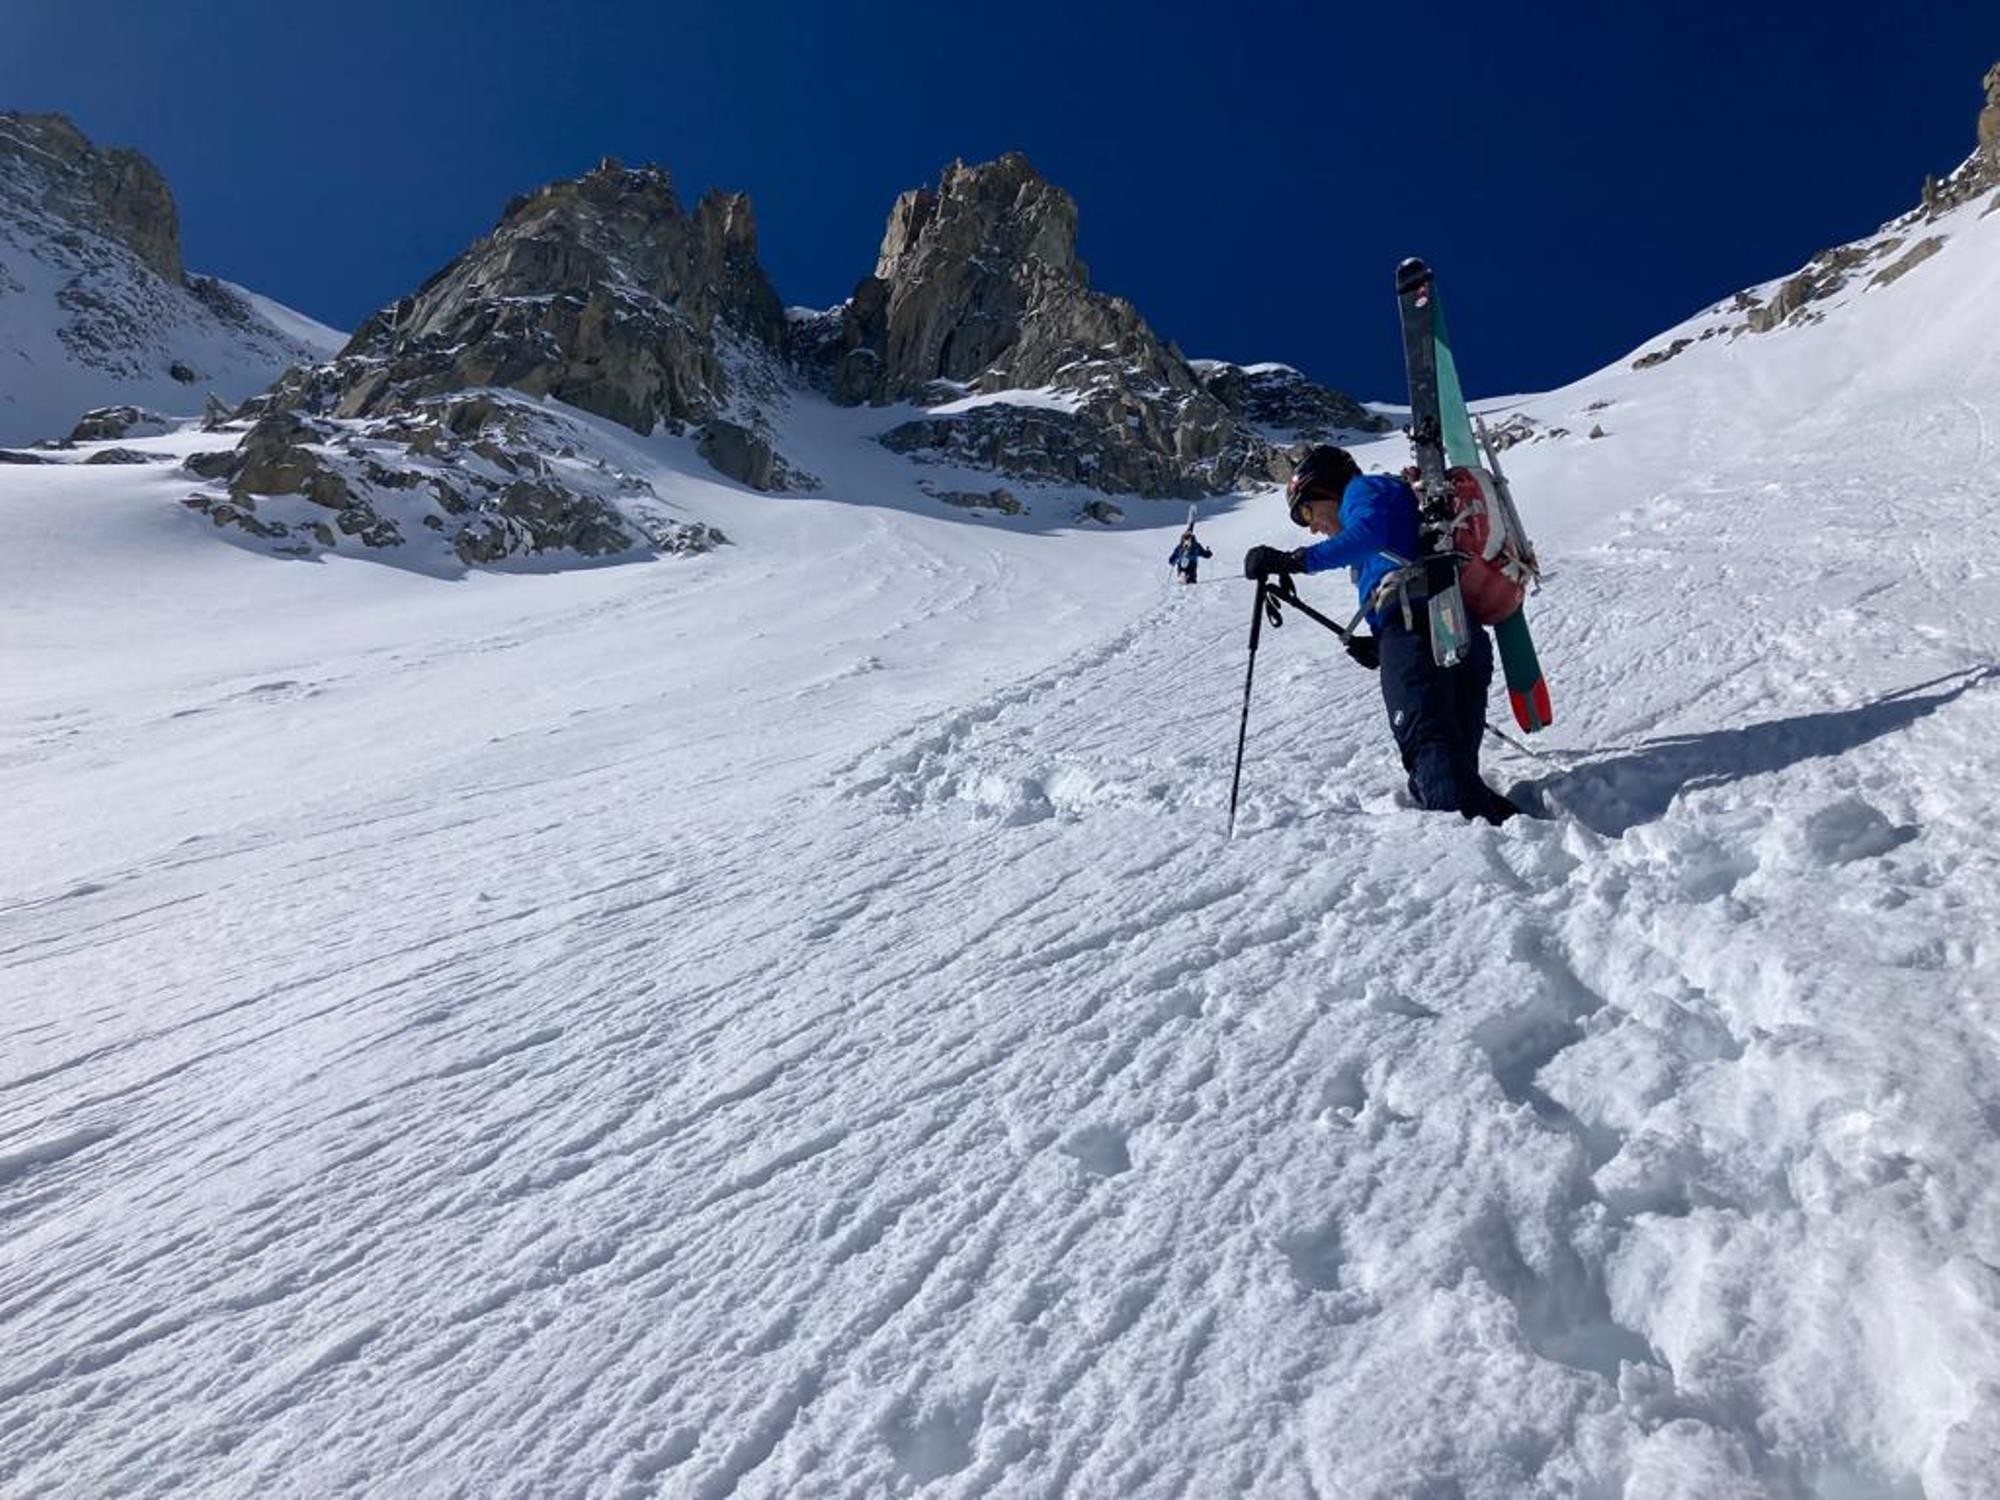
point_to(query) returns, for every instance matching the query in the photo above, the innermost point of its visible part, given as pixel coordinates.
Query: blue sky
(1582, 175)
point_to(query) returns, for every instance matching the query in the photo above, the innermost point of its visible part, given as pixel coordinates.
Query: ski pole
(1286, 592)
(1513, 744)
(1243, 728)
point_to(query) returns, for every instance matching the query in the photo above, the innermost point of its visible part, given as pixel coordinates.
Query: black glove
(1365, 649)
(1266, 562)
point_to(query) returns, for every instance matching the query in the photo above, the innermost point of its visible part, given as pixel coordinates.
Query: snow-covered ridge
(295, 325)
(94, 310)
(1839, 277)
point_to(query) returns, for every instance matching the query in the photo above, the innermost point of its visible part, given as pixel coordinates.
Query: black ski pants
(1438, 715)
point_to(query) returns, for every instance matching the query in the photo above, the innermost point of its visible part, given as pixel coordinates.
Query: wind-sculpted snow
(787, 1022)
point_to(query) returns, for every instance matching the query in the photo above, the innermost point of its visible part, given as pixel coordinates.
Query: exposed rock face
(448, 483)
(600, 292)
(980, 284)
(108, 422)
(978, 290)
(116, 192)
(1827, 273)
(94, 299)
(1915, 256)
(1839, 274)
(1661, 356)
(1518, 428)
(746, 456)
(1281, 402)
(1989, 120)
(1112, 441)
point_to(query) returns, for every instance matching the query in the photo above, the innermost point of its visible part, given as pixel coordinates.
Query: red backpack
(1500, 562)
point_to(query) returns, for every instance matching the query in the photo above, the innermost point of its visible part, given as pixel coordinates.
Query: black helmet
(1321, 475)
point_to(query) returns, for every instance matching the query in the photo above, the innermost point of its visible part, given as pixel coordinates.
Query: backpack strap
(1395, 586)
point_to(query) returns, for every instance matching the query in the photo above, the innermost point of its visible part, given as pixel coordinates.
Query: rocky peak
(1002, 214)
(96, 309)
(46, 163)
(599, 290)
(978, 290)
(978, 282)
(615, 232)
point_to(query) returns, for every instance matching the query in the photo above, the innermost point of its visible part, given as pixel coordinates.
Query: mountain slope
(95, 308)
(786, 1021)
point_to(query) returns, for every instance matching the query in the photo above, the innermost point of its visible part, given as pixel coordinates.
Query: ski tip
(1531, 709)
(1411, 274)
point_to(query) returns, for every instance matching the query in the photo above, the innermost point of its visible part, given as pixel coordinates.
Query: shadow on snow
(1614, 795)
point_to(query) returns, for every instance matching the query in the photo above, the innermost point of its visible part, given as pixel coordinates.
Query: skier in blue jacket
(1437, 714)
(1187, 556)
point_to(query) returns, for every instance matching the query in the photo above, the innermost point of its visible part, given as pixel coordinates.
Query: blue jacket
(1378, 514)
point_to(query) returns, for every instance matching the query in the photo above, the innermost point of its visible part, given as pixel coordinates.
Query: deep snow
(787, 1022)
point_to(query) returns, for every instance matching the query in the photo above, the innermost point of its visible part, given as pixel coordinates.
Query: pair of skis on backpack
(1479, 565)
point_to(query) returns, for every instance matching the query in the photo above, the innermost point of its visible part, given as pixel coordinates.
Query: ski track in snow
(839, 1073)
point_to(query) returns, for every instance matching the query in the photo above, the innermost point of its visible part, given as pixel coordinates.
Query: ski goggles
(1300, 501)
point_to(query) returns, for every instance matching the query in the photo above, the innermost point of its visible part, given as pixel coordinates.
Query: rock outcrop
(978, 284)
(445, 483)
(108, 422)
(978, 292)
(113, 191)
(1989, 122)
(1880, 260)
(95, 301)
(600, 292)
(1283, 404)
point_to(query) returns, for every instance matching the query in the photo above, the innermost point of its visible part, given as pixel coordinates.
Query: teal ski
(1527, 688)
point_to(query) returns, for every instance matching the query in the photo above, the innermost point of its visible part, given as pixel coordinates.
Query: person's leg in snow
(1438, 716)
(1472, 681)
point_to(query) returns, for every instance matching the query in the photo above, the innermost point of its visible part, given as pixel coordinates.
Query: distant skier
(1437, 714)
(1188, 555)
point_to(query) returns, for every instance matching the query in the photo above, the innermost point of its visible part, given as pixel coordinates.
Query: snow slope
(83, 324)
(787, 1022)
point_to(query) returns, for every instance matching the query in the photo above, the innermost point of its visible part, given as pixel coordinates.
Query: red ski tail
(1531, 709)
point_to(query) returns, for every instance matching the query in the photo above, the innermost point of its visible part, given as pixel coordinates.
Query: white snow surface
(315, 336)
(1045, 398)
(787, 1022)
(61, 356)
